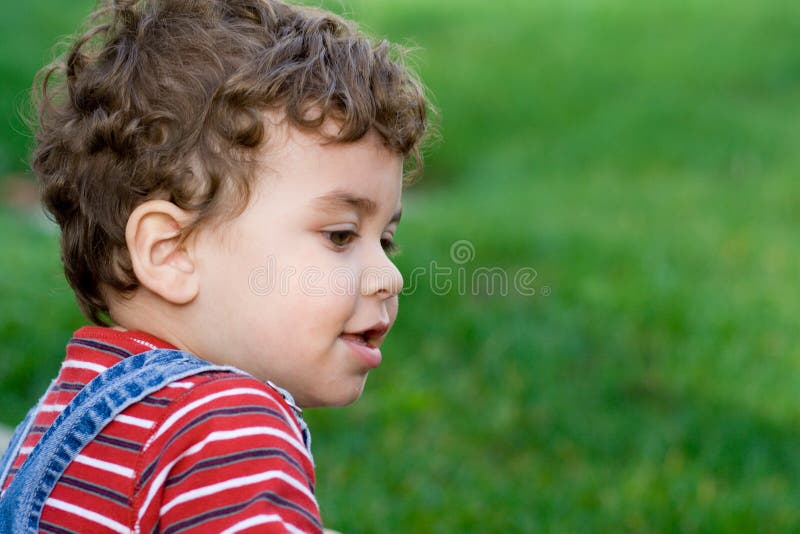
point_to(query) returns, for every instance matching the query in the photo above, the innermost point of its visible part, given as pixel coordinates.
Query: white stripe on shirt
(261, 519)
(105, 466)
(52, 407)
(135, 421)
(145, 343)
(235, 483)
(88, 514)
(181, 385)
(76, 364)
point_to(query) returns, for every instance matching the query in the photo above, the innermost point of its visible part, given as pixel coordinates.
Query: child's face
(287, 285)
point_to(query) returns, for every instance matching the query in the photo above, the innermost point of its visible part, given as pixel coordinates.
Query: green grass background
(643, 159)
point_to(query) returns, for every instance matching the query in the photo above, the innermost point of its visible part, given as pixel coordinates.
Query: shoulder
(227, 403)
(222, 431)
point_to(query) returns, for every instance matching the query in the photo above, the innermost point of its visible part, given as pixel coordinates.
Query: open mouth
(360, 338)
(365, 344)
(370, 337)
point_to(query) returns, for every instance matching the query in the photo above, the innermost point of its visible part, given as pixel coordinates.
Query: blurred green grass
(642, 159)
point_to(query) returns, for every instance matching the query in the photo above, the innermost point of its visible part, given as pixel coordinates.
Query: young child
(227, 177)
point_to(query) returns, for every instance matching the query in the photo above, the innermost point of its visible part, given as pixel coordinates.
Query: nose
(381, 278)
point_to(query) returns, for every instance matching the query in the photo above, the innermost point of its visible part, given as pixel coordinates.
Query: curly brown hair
(165, 99)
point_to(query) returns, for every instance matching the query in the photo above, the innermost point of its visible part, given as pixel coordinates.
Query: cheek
(316, 311)
(304, 295)
(392, 306)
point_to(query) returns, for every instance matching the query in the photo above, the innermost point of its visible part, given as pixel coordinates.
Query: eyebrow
(338, 200)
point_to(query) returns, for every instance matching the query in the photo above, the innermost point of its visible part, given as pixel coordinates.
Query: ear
(160, 263)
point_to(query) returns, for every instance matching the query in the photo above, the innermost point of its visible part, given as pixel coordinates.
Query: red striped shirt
(215, 452)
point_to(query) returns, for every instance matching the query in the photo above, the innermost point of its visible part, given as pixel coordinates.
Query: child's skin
(301, 218)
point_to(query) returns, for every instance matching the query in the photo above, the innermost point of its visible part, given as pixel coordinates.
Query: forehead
(363, 175)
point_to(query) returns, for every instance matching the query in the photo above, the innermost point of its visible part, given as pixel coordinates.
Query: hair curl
(165, 99)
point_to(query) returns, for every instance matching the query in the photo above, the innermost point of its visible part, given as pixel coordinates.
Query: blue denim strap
(298, 413)
(17, 439)
(91, 409)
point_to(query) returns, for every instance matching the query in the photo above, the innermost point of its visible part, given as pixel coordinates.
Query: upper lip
(374, 334)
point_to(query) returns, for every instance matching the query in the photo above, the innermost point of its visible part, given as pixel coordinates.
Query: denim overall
(96, 405)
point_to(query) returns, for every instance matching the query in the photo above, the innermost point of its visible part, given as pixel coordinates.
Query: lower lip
(371, 356)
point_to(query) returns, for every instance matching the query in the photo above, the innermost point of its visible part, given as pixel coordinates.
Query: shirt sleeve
(228, 457)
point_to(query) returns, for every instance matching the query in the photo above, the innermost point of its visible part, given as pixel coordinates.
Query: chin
(347, 400)
(341, 396)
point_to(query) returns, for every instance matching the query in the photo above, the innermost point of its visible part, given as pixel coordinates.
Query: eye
(340, 238)
(389, 246)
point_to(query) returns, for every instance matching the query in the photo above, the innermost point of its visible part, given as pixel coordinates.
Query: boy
(227, 177)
